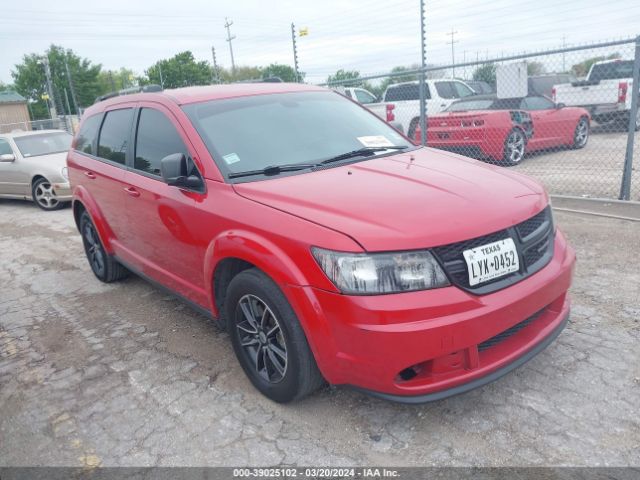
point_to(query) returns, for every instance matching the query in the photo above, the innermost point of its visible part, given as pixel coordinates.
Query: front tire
(581, 134)
(514, 147)
(44, 196)
(104, 267)
(268, 340)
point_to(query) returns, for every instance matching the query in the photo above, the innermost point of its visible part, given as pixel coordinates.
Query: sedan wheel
(44, 196)
(581, 134)
(514, 147)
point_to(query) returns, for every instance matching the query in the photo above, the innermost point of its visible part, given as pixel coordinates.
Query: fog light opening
(408, 374)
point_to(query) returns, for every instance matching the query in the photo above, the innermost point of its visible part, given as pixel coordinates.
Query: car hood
(411, 200)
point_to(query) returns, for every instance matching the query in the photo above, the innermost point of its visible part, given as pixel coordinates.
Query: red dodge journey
(330, 247)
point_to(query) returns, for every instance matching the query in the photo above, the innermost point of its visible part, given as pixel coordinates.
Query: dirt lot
(122, 374)
(594, 171)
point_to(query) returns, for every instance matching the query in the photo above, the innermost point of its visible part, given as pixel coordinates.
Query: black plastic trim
(479, 382)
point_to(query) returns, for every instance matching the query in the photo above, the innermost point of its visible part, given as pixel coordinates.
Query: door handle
(90, 175)
(132, 191)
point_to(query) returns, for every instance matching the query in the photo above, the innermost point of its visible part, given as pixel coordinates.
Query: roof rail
(129, 91)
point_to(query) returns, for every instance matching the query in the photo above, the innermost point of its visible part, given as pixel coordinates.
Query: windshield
(470, 105)
(255, 132)
(611, 71)
(43, 143)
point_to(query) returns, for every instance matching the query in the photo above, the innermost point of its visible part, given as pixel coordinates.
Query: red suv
(328, 245)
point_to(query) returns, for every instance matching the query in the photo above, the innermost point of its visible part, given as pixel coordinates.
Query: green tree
(113, 80)
(6, 86)
(535, 68)
(582, 69)
(181, 70)
(30, 81)
(284, 72)
(349, 78)
(240, 74)
(485, 73)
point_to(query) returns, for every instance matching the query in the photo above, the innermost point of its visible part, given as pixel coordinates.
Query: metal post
(74, 97)
(214, 75)
(160, 73)
(227, 25)
(423, 96)
(295, 51)
(47, 72)
(625, 187)
(453, 56)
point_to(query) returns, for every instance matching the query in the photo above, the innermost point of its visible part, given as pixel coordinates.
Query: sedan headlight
(375, 273)
(65, 172)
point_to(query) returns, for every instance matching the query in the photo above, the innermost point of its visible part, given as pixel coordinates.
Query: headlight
(368, 274)
(65, 172)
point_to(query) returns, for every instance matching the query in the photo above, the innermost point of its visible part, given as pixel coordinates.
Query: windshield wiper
(273, 170)
(365, 151)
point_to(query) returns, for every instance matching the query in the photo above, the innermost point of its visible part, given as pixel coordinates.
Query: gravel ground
(124, 375)
(594, 171)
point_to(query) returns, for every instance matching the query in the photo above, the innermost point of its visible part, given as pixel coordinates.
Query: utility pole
(160, 72)
(564, 45)
(295, 51)
(215, 78)
(74, 98)
(47, 73)
(453, 56)
(227, 25)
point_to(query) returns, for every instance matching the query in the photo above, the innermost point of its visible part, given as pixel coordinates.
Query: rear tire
(44, 196)
(514, 147)
(104, 266)
(581, 134)
(268, 340)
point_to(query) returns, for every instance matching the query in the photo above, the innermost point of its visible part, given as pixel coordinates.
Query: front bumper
(62, 191)
(369, 341)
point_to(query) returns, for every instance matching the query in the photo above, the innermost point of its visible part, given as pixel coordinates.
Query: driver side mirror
(174, 171)
(7, 157)
(560, 105)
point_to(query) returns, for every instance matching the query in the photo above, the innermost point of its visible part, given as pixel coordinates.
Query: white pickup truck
(605, 93)
(401, 101)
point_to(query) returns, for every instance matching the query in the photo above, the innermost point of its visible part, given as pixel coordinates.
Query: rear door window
(406, 91)
(87, 135)
(114, 135)
(461, 90)
(155, 139)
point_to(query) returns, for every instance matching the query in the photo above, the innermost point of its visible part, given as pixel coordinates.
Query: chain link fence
(68, 123)
(567, 117)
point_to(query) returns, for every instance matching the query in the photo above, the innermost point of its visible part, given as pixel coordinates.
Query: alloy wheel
(261, 338)
(582, 133)
(45, 195)
(515, 146)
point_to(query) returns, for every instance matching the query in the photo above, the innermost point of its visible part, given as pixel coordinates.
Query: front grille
(509, 332)
(533, 239)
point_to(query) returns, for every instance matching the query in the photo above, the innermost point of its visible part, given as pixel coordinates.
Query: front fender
(282, 269)
(81, 195)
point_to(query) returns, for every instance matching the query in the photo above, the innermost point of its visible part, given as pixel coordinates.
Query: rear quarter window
(114, 135)
(88, 134)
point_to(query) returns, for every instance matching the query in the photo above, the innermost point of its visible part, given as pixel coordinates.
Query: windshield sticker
(375, 141)
(231, 158)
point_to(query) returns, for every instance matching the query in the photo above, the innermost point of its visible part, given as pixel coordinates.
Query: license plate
(491, 261)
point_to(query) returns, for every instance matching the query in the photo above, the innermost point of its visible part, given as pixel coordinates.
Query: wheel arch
(83, 201)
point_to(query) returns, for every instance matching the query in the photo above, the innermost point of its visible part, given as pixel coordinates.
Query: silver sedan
(33, 166)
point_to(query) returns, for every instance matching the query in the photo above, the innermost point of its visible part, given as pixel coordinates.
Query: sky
(370, 36)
